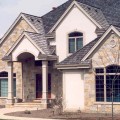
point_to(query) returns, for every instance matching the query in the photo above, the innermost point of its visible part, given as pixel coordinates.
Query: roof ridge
(30, 14)
(88, 5)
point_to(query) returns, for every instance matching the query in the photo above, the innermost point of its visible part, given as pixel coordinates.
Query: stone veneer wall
(5, 46)
(100, 59)
(29, 80)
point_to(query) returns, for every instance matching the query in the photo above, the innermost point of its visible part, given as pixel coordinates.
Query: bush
(27, 112)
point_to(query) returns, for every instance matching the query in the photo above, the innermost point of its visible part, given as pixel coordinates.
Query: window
(4, 84)
(75, 41)
(104, 79)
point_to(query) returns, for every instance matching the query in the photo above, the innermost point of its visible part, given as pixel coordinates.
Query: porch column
(10, 84)
(44, 81)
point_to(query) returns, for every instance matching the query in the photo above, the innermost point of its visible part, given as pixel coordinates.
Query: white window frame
(7, 79)
(75, 38)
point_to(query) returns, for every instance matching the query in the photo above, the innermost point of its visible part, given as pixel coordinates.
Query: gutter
(74, 66)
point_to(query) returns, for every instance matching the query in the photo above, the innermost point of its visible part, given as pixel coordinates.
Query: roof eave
(74, 66)
(47, 57)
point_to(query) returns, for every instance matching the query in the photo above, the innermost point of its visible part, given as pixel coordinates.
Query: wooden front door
(38, 86)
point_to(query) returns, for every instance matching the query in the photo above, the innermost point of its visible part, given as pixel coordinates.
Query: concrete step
(37, 101)
(30, 104)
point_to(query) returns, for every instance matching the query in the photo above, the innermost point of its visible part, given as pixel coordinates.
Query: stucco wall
(22, 47)
(74, 21)
(73, 90)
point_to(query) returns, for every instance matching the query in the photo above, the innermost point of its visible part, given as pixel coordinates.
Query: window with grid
(75, 41)
(105, 77)
(4, 84)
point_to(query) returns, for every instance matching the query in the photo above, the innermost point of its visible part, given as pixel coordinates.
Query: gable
(107, 51)
(76, 20)
(14, 34)
(83, 9)
(110, 30)
(21, 48)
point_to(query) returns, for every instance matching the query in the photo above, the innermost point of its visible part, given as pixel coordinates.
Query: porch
(36, 81)
(36, 69)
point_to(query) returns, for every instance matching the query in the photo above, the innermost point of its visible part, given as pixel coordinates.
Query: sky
(10, 9)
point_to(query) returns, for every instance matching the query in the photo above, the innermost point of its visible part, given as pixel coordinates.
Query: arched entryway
(36, 77)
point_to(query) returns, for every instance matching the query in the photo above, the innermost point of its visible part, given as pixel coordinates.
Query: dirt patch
(48, 113)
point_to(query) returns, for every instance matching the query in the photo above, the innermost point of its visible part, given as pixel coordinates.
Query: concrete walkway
(15, 109)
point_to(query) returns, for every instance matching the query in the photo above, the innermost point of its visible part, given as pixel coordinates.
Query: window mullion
(105, 84)
(75, 44)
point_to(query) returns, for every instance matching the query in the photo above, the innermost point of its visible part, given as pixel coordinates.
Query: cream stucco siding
(74, 21)
(25, 46)
(73, 90)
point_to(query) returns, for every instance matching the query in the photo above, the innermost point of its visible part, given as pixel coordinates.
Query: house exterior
(72, 53)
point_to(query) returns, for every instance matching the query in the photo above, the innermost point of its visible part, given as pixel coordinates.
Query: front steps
(31, 105)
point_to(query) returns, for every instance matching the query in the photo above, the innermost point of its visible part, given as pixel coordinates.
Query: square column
(44, 81)
(10, 84)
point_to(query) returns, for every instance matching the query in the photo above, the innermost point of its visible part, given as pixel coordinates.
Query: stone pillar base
(9, 101)
(45, 103)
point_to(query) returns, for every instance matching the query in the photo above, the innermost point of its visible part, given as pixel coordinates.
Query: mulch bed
(48, 114)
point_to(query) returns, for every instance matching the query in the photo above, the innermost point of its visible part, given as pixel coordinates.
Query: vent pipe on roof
(53, 8)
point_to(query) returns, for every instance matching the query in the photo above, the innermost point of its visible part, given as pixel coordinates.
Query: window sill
(3, 97)
(106, 103)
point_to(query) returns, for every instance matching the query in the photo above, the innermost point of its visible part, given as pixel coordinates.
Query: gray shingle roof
(96, 14)
(76, 57)
(53, 16)
(108, 12)
(36, 22)
(40, 40)
(105, 12)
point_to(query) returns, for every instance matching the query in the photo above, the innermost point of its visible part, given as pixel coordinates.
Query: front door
(38, 86)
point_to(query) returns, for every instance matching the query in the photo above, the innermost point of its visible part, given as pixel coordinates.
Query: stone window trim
(104, 73)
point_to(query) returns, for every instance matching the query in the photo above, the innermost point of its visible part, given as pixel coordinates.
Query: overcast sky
(10, 9)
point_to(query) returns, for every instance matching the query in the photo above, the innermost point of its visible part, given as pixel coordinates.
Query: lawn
(48, 113)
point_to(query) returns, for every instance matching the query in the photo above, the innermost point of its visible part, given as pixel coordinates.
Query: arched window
(105, 77)
(113, 69)
(75, 41)
(4, 84)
